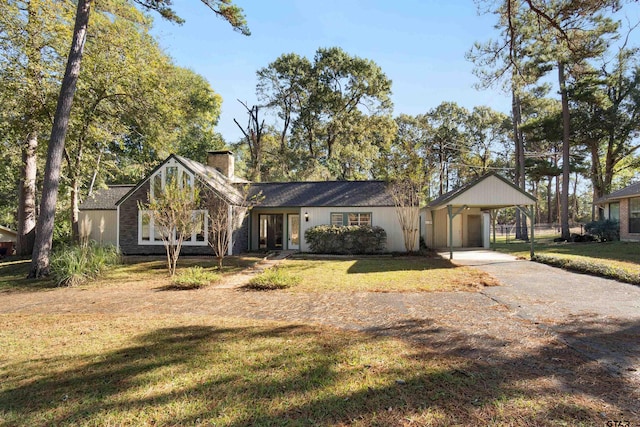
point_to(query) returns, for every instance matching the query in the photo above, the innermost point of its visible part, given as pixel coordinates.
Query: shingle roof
(632, 190)
(105, 199)
(322, 193)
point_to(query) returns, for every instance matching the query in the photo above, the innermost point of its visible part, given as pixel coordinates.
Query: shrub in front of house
(350, 240)
(193, 278)
(272, 279)
(605, 230)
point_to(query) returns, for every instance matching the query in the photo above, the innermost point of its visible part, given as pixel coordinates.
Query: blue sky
(419, 44)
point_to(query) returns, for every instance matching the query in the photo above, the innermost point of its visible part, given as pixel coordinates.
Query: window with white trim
(149, 234)
(337, 219)
(634, 215)
(172, 170)
(350, 218)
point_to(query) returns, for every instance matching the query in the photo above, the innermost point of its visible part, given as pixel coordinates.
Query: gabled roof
(632, 190)
(207, 174)
(322, 193)
(105, 198)
(490, 191)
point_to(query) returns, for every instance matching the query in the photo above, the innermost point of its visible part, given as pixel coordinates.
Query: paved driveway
(598, 317)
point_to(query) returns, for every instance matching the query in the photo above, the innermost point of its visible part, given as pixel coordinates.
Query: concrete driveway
(598, 317)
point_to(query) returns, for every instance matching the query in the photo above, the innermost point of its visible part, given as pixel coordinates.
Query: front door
(474, 230)
(293, 227)
(270, 231)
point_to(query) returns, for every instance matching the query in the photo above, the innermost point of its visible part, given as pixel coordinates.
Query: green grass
(617, 260)
(151, 270)
(383, 274)
(97, 369)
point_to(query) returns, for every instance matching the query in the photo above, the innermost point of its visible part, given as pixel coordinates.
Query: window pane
(353, 219)
(634, 215)
(336, 219)
(157, 233)
(614, 211)
(200, 229)
(156, 184)
(365, 219)
(145, 226)
(172, 173)
(186, 180)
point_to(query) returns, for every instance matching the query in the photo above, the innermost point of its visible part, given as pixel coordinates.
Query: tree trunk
(521, 221)
(549, 200)
(45, 223)
(566, 166)
(27, 197)
(75, 210)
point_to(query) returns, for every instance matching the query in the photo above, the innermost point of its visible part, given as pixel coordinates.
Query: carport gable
(490, 191)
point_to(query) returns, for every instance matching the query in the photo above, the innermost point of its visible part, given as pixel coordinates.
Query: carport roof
(490, 191)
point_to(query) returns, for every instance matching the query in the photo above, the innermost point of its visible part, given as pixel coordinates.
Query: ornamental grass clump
(193, 278)
(273, 278)
(76, 265)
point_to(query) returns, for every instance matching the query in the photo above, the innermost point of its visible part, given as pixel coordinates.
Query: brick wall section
(129, 231)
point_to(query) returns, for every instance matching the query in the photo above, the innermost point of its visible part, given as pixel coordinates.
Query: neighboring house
(99, 212)
(8, 239)
(462, 218)
(623, 206)
(284, 211)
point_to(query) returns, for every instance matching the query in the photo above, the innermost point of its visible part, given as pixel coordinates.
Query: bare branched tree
(172, 210)
(225, 217)
(406, 197)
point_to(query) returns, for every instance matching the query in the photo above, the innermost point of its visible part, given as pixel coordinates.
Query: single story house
(278, 221)
(462, 218)
(623, 206)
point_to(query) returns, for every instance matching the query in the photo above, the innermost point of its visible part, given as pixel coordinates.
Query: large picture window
(351, 218)
(149, 234)
(634, 215)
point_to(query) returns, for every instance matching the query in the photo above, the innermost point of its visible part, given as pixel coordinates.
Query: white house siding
(384, 217)
(491, 192)
(108, 237)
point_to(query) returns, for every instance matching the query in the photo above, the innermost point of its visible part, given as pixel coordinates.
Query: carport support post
(530, 212)
(450, 211)
(451, 216)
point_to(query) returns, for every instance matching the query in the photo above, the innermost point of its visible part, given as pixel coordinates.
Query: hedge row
(589, 267)
(351, 240)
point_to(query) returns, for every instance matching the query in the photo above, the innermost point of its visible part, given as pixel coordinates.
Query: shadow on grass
(407, 263)
(296, 375)
(13, 277)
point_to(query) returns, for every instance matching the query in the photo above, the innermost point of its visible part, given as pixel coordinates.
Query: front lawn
(100, 369)
(382, 274)
(617, 260)
(151, 270)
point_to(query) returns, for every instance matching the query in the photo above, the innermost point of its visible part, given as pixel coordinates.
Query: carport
(462, 218)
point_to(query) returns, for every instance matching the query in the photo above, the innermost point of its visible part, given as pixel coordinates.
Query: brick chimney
(222, 161)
